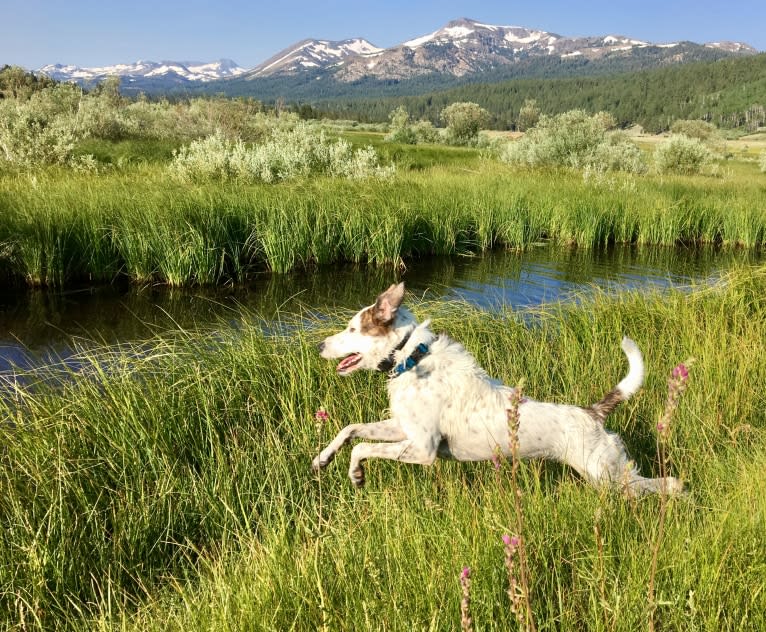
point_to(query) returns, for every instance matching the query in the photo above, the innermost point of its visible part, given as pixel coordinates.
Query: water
(41, 327)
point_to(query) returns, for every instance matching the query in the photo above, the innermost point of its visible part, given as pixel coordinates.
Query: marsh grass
(166, 486)
(62, 227)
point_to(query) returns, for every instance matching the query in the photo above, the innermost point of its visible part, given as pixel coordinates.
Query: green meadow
(134, 221)
(167, 486)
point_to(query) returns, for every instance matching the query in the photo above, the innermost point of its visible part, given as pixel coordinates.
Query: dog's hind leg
(605, 461)
(387, 430)
(407, 451)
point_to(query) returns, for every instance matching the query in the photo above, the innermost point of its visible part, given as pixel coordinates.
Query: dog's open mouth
(347, 364)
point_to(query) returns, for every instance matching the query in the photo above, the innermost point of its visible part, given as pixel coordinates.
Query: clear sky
(104, 32)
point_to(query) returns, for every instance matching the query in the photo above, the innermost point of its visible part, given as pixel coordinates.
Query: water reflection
(37, 326)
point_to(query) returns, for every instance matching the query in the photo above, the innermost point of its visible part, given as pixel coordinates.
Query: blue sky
(100, 32)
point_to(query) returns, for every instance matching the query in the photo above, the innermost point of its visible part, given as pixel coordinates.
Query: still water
(40, 327)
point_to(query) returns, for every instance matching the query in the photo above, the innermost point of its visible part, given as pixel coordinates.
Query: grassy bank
(61, 227)
(169, 489)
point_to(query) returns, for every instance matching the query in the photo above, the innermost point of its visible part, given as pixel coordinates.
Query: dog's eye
(352, 330)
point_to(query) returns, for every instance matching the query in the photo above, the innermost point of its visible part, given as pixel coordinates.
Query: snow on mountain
(177, 71)
(732, 47)
(459, 48)
(312, 53)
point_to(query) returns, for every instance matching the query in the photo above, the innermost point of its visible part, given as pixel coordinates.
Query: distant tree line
(17, 83)
(730, 93)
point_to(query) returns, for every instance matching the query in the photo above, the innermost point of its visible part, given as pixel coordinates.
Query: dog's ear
(387, 303)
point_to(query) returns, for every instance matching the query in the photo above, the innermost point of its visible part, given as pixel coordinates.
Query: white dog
(444, 404)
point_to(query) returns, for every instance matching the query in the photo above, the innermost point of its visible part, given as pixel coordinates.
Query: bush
(297, 152)
(682, 155)
(616, 153)
(400, 130)
(403, 130)
(425, 132)
(529, 115)
(98, 117)
(41, 130)
(700, 130)
(578, 140)
(464, 120)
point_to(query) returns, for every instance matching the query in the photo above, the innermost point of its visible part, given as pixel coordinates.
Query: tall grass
(167, 486)
(61, 228)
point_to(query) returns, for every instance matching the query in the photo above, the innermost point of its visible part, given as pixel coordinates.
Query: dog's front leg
(387, 430)
(406, 451)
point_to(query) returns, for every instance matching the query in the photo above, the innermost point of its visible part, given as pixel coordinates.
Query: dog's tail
(628, 386)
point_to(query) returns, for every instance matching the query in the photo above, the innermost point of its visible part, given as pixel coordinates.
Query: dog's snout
(321, 346)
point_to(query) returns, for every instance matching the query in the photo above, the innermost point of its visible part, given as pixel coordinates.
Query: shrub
(682, 155)
(99, 117)
(41, 130)
(700, 130)
(464, 120)
(425, 132)
(575, 139)
(400, 130)
(529, 115)
(297, 152)
(403, 130)
(616, 153)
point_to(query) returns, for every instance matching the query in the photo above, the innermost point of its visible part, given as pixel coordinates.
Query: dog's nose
(321, 347)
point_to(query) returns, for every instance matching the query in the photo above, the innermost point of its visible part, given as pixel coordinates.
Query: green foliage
(682, 155)
(42, 129)
(730, 93)
(575, 139)
(400, 130)
(166, 487)
(298, 152)
(701, 130)
(17, 83)
(464, 120)
(425, 132)
(61, 228)
(529, 115)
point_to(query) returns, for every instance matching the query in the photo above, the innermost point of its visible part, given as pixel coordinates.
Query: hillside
(728, 92)
(320, 84)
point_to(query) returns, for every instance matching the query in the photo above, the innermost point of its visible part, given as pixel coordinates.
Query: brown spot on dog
(371, 326)
(608, 403)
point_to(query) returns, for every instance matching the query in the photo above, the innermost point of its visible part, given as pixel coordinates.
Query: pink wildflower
(466, 623)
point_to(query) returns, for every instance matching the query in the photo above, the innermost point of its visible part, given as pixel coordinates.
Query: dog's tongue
(346, 363)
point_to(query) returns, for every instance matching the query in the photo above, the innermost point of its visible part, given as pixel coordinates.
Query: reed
(62, 227)
(166, 485)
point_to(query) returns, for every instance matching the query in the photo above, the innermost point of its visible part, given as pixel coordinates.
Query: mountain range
(462, 50)
(164, 73)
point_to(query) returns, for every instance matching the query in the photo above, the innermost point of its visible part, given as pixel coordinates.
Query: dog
(442, 403)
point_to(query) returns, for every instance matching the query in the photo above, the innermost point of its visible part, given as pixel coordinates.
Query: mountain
(463, 51)
(148, 74)
(460, 48)
(312, 54)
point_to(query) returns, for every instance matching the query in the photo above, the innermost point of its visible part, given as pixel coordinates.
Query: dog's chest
(444, 402)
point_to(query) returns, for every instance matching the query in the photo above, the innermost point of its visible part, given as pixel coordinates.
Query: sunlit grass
(61, 227)
(167, 486)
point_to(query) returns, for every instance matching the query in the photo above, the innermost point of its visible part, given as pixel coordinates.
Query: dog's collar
(410, 362)
(395, 370)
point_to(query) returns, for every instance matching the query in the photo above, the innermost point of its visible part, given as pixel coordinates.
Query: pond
(40, 327)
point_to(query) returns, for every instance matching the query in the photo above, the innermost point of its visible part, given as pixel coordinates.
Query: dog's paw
(320, 463)
(357, 476)
(673, 486)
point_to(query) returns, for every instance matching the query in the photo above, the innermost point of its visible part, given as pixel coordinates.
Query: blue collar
(410, 362)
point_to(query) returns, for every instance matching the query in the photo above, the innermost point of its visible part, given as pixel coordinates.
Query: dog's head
(371, 335)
